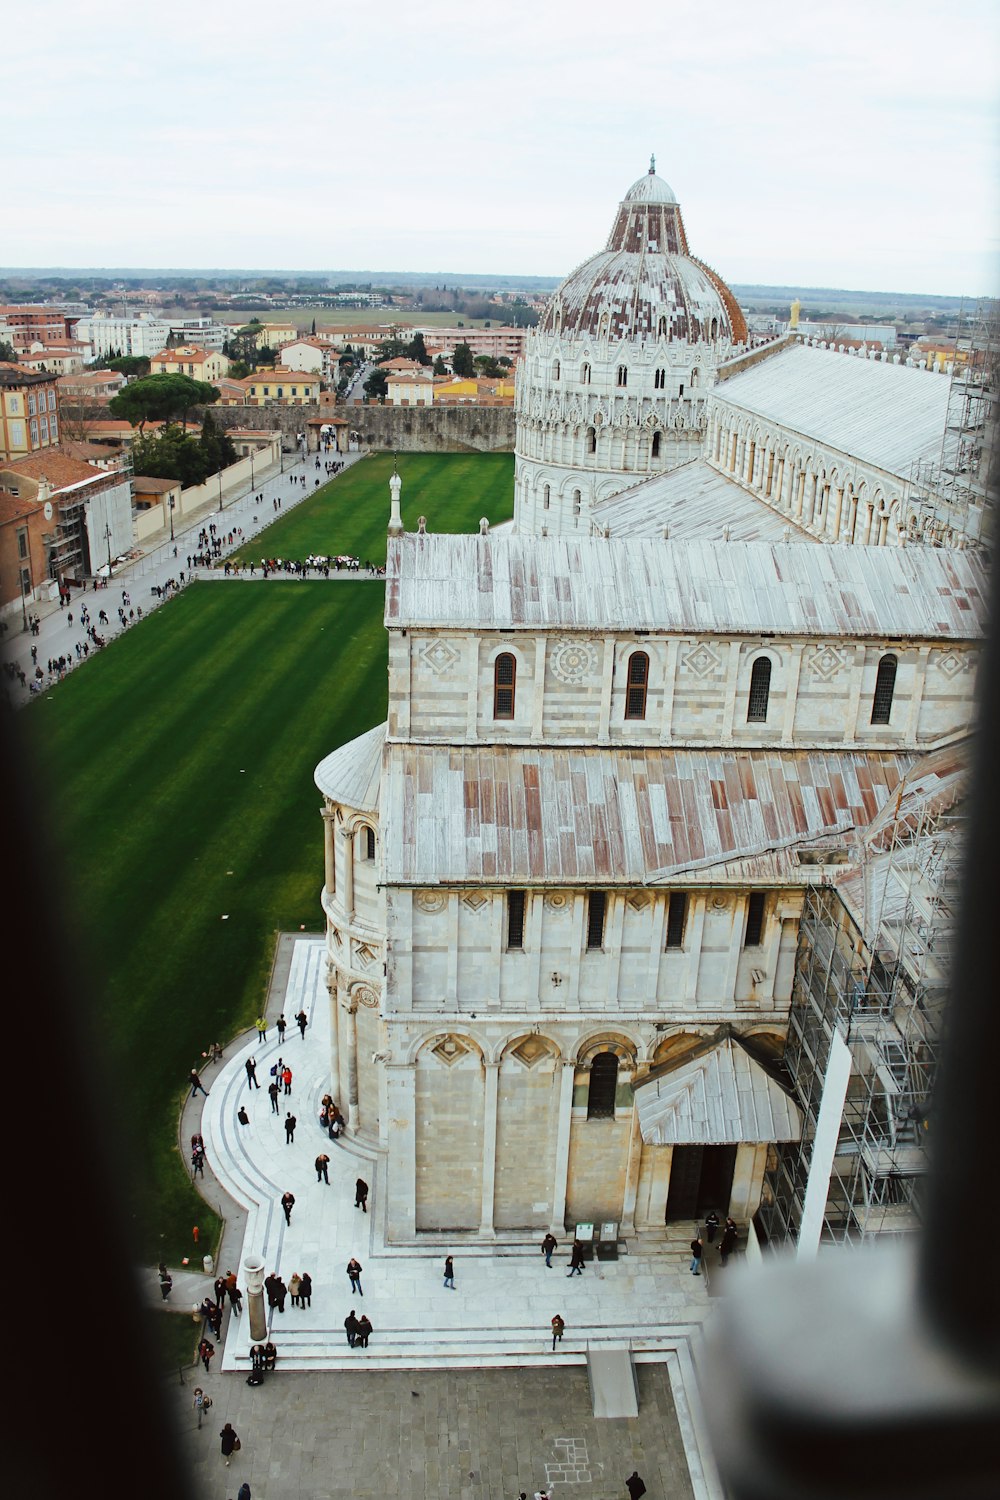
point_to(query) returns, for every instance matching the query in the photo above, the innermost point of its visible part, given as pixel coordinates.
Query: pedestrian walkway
(156, 568)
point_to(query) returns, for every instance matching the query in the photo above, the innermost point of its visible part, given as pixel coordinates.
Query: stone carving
(557, 902)
(364, 956)
(450, 1050)
(952, 662)
(638, 901)
(827, 660)
(475, 901)
(530, 1051)
(365, 996)
(440, 656)
(430, 901)
(573, 660)
(701, 661)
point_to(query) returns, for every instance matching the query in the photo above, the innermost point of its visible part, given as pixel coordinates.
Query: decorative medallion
(531, 1051)
(638, 901)
(951, 663)
(701, 661)
(475, 901)
(826, 661)
(430, 901)
(557, 901)
(720, 903)
(365, 996)
(573, 660)
(449, 1050)
(440, 656)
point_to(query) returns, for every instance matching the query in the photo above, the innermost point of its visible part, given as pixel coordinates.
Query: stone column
(561, 1172)
(632, 1173)
(253, 1276)
(348, 836)
(331, 989)
(837, 505)
(330, 864)
(489, 1148)
(401, 1166)
(348, 1031)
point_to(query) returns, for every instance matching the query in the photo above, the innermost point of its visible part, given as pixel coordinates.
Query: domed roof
(650, 188)
(646, 284)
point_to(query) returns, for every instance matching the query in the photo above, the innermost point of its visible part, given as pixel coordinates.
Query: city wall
(389, 429)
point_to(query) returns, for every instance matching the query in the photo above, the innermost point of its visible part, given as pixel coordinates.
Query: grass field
(349, 515)
(179, 766)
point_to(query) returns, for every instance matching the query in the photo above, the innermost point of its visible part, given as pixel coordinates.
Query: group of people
(727, 1244)
(330, 1119)
(299, 1288)
(358, 1330)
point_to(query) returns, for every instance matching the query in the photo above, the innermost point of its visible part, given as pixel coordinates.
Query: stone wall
(391, 429)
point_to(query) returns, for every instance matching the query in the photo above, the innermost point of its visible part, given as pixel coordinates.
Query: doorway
(701, 1178)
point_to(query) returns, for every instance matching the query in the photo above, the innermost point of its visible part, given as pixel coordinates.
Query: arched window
(603, 1087)
(659, 379)
(760, 688)
(695, 377)
(504, 682)
(621, 376)
(585, 375)
(637, 685)
(367, 843)
(885, 686)
(661, 328)
(556, 367)
(546, 496)
(577, 502)
(656, 445)
(715, 328)
(591, 439)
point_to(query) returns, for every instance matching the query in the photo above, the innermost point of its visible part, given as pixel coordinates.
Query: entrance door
(701, 1177)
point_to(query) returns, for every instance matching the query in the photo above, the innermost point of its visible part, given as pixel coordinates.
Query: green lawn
(350, 514)
(179, 768)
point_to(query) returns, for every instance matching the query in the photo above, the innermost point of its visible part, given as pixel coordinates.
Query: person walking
(281, 1023)
(354, 1275)
(242, 1116)
(727, 1244)
(364, 1329)
(634, 1485)
(166, 1282)
(549, 1244)
(361, 1194)
(251, 1067)
(558, 1329)
(290, 1124)
(697, 1249)
(351, 1327)
(288, 1203)
(261, 1025)
(272, 1090)
(243, 1493)
(322, 1168)
(576, 1259)
(230, 1442)
(449, 1272)
(201, 1404)
(196, 1084)
(302, 1021)
(206, 1351)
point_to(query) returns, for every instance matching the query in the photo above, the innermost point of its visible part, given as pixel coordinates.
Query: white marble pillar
(633, 1162)
(560, 1176)
(348, 837)
(489, 1148)
(329, 860)
(348, 1032)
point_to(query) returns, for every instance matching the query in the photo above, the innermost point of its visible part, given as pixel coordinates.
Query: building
(409, 388)
(311, 355)
(111, 337)
(90, 385)
(25, 324)
(187, 359)
(456, 391)
(24, 527)
(630, 741)
(87, 512)
(67, 359)
(496, 343)
(281, 387)
(29, 411)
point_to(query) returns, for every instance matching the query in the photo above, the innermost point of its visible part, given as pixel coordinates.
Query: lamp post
(107, 538)
(220, 491)
(172, 502)
(251, 471)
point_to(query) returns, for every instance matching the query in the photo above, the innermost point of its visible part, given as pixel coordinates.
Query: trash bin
(208, 1264)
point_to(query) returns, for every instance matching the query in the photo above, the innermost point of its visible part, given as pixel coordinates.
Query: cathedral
(629, 738)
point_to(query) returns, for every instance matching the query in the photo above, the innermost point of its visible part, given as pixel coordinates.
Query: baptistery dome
(645, 282)
(614, 383)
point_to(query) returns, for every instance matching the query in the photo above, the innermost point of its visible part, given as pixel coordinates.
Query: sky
(852, 144)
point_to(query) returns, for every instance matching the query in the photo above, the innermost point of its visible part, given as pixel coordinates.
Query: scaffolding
(952, 500)
(872, 964)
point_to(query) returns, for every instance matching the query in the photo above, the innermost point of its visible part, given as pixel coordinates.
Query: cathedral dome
(645, 284)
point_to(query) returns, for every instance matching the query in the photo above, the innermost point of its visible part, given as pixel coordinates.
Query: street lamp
(251, 471)
(220, 490)
(107, 538)
(172, 503)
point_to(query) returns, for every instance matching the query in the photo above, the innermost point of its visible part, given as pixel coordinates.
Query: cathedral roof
(721, 1095)
(646, 284)
(695, 502)
(515, 582)
(582, 815)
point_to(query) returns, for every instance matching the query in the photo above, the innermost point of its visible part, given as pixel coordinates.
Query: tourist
(354, 1275)
(306, 1290)
(230, 1442)
(290, 1124)
(251, 1067)
(361, 1194)
(303, 1021)
(576, 1259)
(449, 1272)
(165, 1282)
(351, 1327)
(295, 1288)
(697, 1249)
(206, 1351)
(549, 1244)
(196, 1084)
(322, 1168)
(288, 1203)
(558, 1329)
(364, 1329)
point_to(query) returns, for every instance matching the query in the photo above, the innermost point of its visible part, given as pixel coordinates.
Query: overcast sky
(849, 144)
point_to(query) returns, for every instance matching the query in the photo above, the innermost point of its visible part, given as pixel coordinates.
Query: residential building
(311, 355)
(62, 360)
(90, 385)
(29, 411)
(110, 336)
(24, 526)
(24, 324)
(408, 388)
(88, 510)
(281, 387)
(494, 342)
(188, 359)
(456, 391)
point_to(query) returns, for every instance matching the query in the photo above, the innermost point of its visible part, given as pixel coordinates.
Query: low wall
(389, 429)
(156, 518)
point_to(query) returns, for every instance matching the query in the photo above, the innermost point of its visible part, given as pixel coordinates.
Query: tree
(417, 349)
(128, 364)
(462, 362)
(313, 329)
(377, 384)
(238, 369)
(486, 365)
(161, 398)
(439, 366)
(7, 352)
(216, 445)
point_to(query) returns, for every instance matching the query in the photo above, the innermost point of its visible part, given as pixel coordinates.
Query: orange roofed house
(29, 411)
(188, 359)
